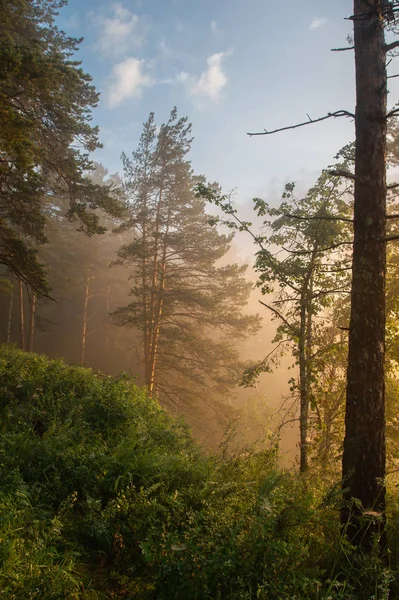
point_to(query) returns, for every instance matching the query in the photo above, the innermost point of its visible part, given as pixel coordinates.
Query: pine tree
(45, 134)
(186, 305)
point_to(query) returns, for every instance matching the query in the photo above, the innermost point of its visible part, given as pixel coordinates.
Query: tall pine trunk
(364, 445)
(21, 316)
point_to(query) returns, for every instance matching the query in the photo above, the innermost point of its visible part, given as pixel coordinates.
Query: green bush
(104, 496)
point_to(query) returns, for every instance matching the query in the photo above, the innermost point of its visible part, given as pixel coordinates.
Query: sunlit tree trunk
(84, 320)
(364, 445)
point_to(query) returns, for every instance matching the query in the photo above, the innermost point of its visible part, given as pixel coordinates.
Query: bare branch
(277, 313)
(316, 218)
(392, 113)
(391, 46)
(392, 216)
(342, 49)
(299, 252)
(342, 173)
(392, 76)
(337, 113)
(390, 238)
(392, 186)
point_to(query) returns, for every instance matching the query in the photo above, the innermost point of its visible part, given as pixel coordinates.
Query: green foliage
(186, 305)
(103, 495)
(46, 101)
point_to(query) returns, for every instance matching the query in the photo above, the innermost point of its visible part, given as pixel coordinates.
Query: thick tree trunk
(364, 445)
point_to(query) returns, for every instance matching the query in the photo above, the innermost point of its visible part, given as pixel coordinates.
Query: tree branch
(337, 113)
(391, 46)
(390, 238)
(315, 218)
(299, 252)
(342, 173)
(342, 49)
(278, 314)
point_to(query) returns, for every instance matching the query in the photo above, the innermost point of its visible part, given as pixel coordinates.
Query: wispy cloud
(118, 31)
(214, 27)
(209, 85)
(127, 80)
(318, 22)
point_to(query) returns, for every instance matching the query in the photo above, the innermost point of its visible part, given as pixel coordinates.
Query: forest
(143, 449)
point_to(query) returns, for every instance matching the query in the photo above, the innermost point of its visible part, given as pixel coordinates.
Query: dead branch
(390, 238)
(299, 252)
(391, 46)
(342, 49)
(342, 173)
(277, 313)
(392, 186)
(316, 218)
(333, 115)
(392, 216)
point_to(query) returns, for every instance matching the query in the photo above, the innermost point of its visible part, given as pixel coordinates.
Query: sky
(231, 67)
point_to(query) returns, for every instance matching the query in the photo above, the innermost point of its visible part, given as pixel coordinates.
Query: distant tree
(45, 134)
(187, 306)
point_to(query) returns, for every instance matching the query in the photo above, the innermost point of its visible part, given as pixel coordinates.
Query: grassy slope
(103, 495)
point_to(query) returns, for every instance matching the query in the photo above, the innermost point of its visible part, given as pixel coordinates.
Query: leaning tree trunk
(364, 445)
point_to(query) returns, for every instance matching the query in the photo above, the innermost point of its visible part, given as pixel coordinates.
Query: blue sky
(231, 66)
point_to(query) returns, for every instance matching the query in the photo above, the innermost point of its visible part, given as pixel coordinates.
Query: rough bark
(364, 445)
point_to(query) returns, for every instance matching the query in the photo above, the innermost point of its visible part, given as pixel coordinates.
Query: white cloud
(127, 80)
(118, 32)
(210, 84)
(317, 22)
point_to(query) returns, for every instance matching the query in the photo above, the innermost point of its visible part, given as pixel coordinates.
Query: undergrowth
(104, 496)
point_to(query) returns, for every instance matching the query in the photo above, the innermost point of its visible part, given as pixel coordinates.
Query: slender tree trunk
(21, 316)
(84, 320)
(108, 309)
(364, 445)
(32, 323)
(160, 306)
(154, 298)
(10, 309)
(304, 351)
(304, 400)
